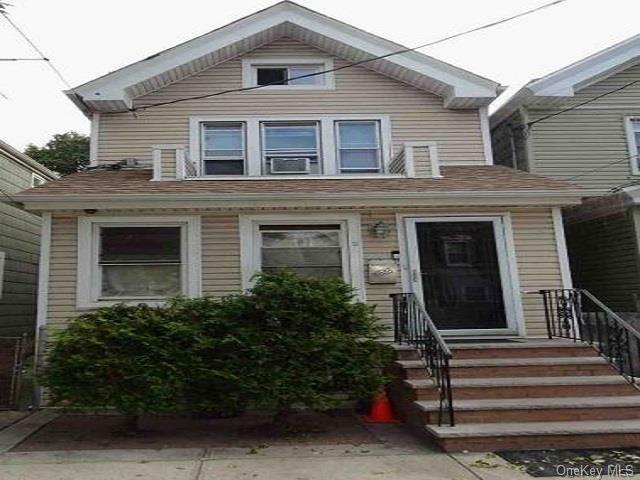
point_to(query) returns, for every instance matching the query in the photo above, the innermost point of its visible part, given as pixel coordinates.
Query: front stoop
(533, 394)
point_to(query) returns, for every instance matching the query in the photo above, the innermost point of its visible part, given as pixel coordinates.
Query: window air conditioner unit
(290, 165)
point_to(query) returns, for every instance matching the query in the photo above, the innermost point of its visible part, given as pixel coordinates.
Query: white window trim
(250, 72)
(87, 271)
(631, 143)
(250, 244)
(243, 131)
(253, 144)
(382, 166)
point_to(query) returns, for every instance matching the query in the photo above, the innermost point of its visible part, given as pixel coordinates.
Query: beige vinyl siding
(538, 262)
(422, 161)
(415, 115)
(168, 164)
(604, 259)
(20, 241)
(589, 137)
(534, 239)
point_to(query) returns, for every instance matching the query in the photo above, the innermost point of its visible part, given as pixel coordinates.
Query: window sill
(156, 302)
(345, 176)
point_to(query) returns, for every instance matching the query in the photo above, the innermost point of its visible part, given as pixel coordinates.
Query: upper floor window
(288, 145)
(290, 75)
(287, 73)
(223, 148)
(359, 149)
(291, 148)
(633, 137)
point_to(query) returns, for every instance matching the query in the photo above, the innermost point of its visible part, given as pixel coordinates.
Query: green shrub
(132, 358)
(290, 342)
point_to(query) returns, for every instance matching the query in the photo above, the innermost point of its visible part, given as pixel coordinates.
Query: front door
(459, 268)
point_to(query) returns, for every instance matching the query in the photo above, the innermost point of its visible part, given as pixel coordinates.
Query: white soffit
(116, 90)
(563, 84)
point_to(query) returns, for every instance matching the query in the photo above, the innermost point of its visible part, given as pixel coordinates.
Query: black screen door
(460, 274)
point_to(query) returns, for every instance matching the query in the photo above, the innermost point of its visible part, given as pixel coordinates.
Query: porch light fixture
(380, 230)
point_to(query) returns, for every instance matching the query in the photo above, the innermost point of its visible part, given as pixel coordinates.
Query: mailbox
(383, 271)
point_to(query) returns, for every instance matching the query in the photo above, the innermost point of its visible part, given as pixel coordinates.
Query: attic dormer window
(287, 74)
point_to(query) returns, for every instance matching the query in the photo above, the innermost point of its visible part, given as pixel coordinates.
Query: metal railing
(577, 315)
(413, 326)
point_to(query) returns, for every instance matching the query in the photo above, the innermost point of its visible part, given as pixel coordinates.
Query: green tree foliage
(65, 153)
(290, 342)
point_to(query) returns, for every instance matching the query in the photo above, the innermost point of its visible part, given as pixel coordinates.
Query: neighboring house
(595, 145)
(380, 173)
(19, 242)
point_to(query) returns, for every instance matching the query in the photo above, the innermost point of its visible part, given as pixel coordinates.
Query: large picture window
(358, 144)
(223, 148)
(309, 250)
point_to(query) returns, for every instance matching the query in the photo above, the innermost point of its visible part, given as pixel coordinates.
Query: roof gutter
(291, 199)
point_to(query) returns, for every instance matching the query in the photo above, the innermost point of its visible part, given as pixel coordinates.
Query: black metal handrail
(577, 315)
(413, 326)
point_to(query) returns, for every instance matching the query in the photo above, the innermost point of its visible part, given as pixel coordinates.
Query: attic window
(287, 74)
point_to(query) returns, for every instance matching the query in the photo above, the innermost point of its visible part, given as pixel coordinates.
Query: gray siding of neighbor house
(604, 259)
(509, 143)
(589, 137)
(20, 241)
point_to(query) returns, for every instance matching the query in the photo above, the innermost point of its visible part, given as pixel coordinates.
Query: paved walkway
(400, 457)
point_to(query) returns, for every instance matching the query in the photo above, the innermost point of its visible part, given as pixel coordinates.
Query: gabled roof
(566, 82)
(116, 90)
(26, 161)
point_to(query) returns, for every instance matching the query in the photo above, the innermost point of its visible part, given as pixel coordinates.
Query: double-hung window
(139, 262)
(223, 148)
(140, 259)
(315, 251)
(358, 146)
(633, 134)
(291, 147)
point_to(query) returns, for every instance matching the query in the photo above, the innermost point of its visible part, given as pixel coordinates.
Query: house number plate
(383, 271)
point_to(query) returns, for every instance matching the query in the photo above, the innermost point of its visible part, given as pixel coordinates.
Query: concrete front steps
(521, 395)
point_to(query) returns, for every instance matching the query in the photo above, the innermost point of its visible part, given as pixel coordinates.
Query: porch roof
(106, 185)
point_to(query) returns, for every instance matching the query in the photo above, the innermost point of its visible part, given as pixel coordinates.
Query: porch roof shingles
(455, 179)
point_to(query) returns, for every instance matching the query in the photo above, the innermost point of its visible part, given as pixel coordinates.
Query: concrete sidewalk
(363, 462)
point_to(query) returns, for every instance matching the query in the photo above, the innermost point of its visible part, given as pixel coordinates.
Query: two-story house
(582, 124)
(288, 139)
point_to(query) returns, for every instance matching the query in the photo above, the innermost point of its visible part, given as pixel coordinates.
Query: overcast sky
(87, 38)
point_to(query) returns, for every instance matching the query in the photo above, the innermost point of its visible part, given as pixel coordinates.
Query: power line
(361, 62)
(602, 167)
(586, 102)
(4, 13)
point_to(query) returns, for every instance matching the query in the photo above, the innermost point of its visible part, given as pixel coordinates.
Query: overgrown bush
(290, 342)
(132, 358)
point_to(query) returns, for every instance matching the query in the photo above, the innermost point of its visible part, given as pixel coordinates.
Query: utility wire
(586, 102)
(602, 167)
(349, 65)
(4, 13)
